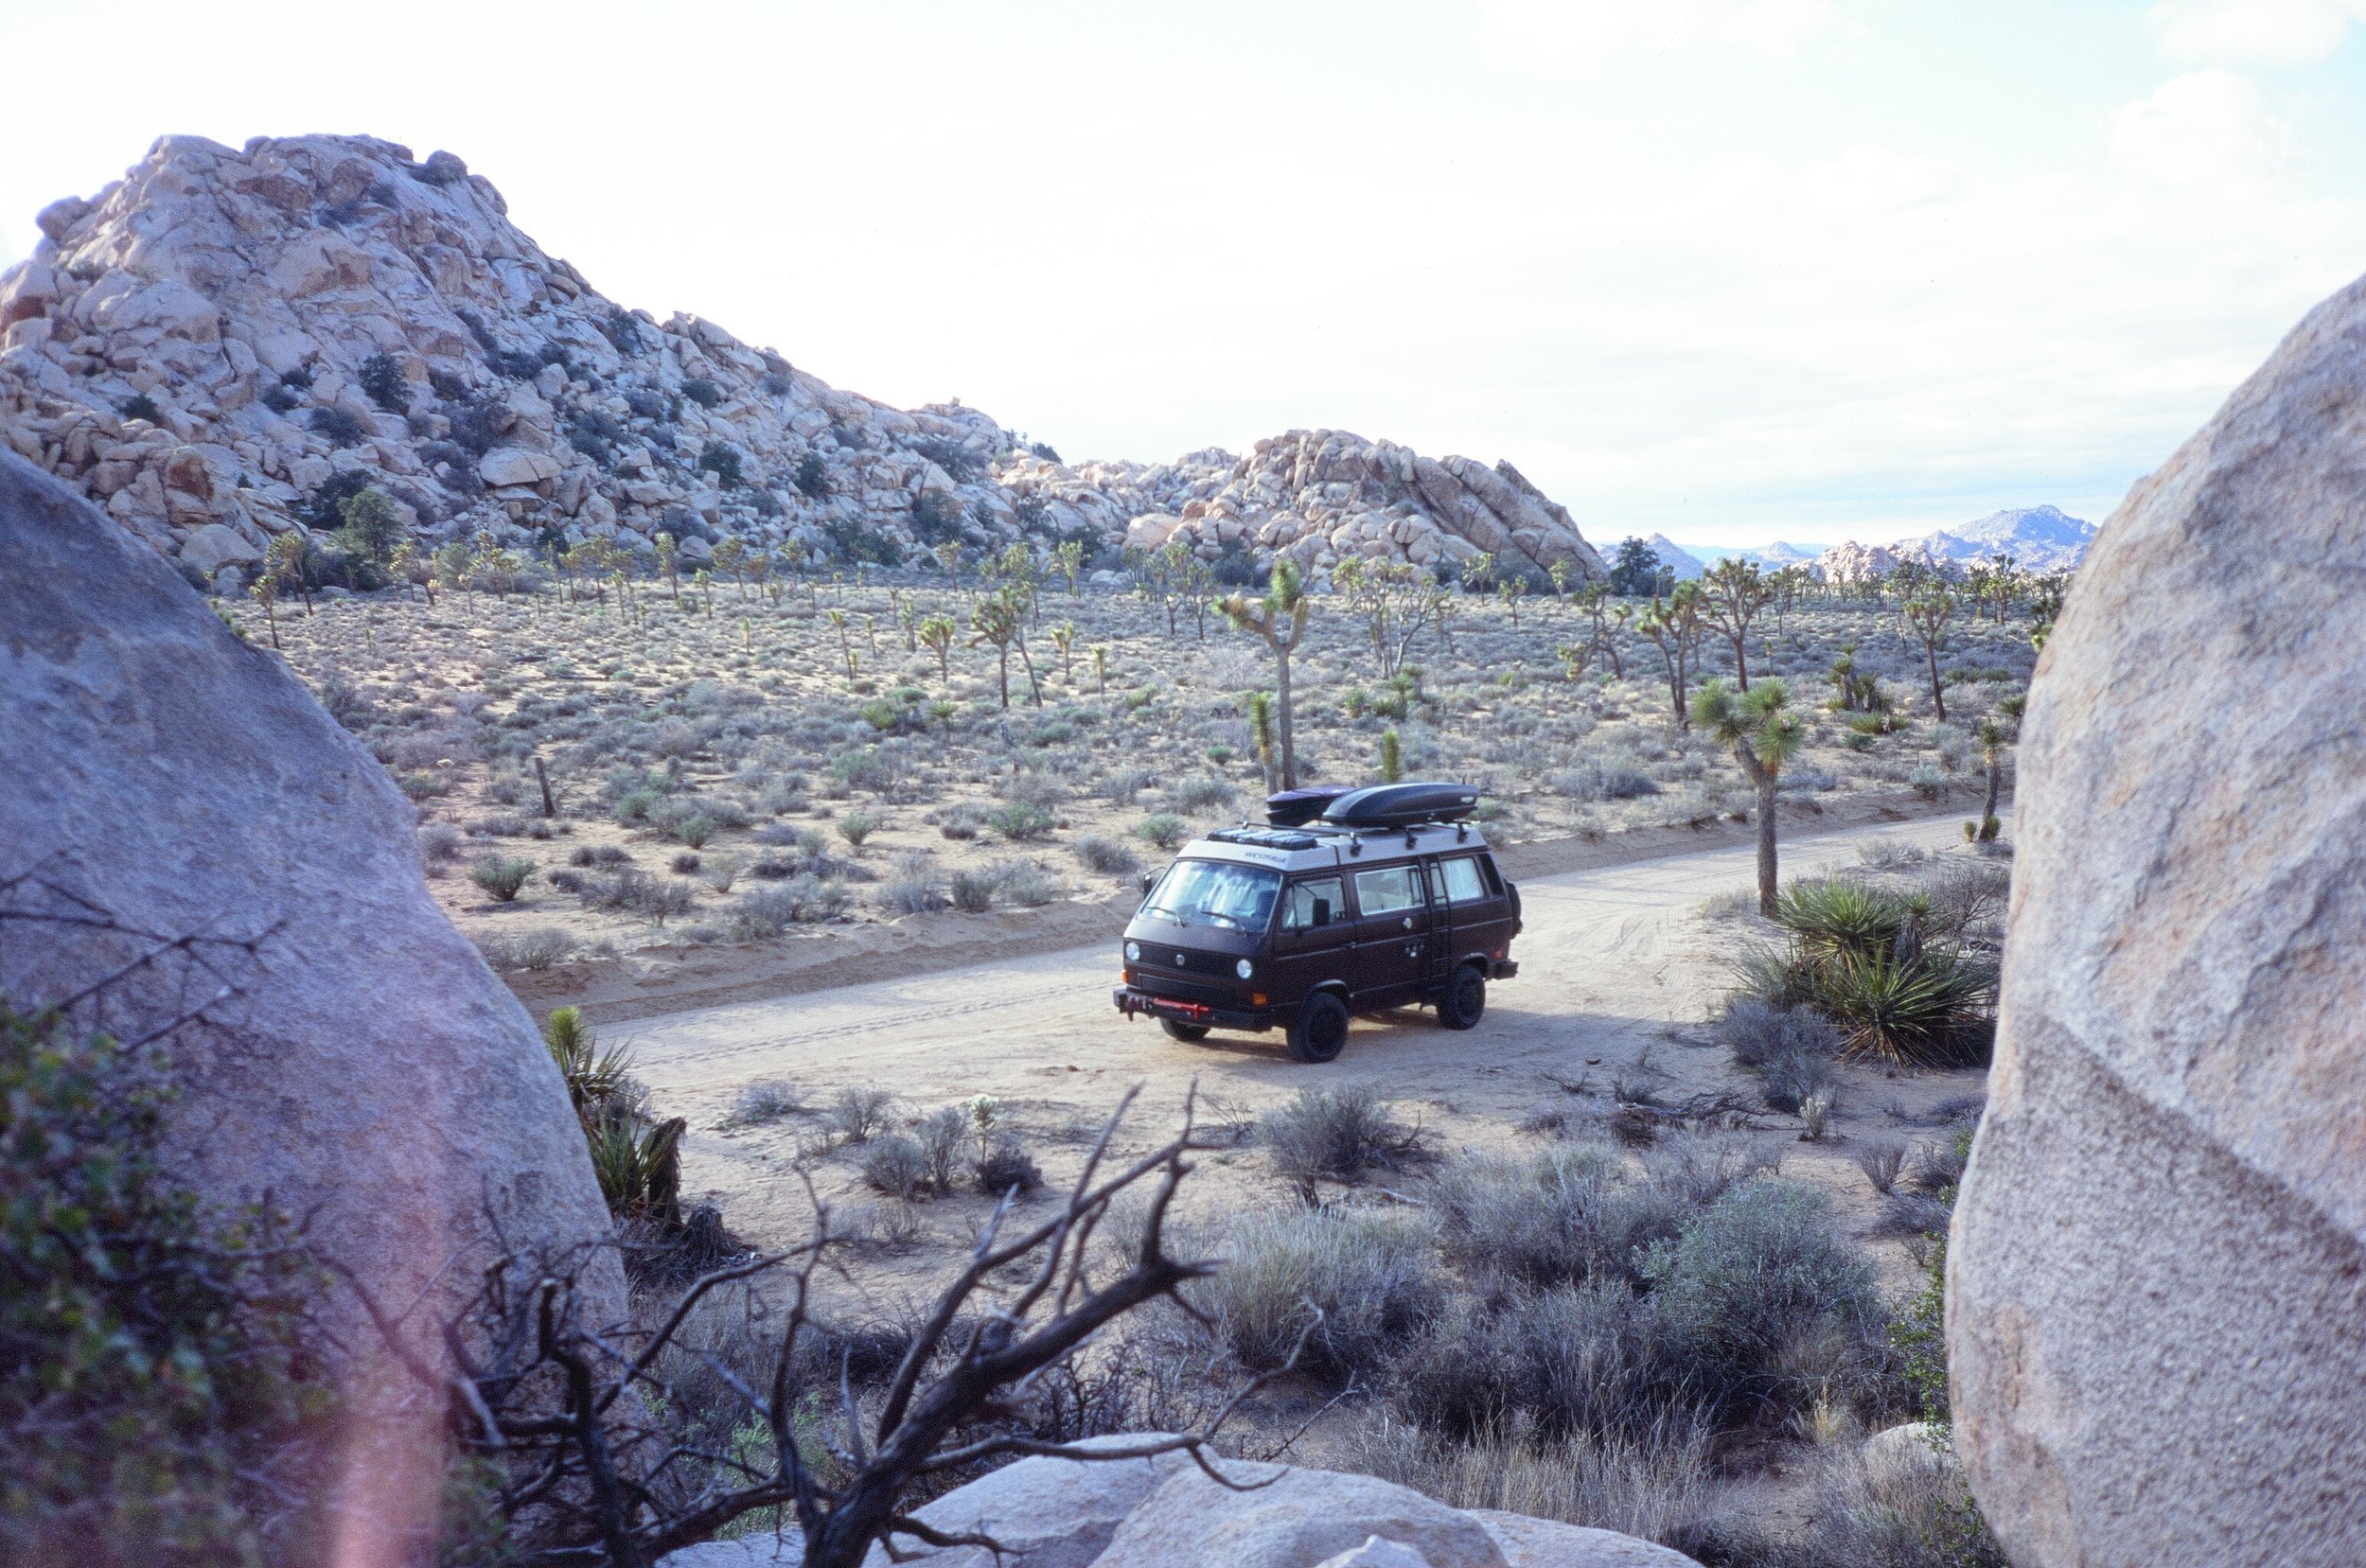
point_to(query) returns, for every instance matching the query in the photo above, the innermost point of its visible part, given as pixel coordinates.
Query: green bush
(1885, 968)
(1371, 1278)
(1020, 821)
(156, 1388)
(502, 876)
(1164, 829)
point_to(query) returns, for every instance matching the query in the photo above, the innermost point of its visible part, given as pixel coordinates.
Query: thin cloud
(2265, 32)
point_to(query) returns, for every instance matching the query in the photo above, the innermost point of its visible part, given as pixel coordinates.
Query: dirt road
(1618, 964)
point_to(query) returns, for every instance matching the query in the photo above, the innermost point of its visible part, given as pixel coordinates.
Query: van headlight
(1133, 952)
(1245, 969)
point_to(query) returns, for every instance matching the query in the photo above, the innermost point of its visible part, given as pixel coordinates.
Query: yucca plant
(596, 1079)
(639, 1168)
(1834, 918)
(1930, 1008)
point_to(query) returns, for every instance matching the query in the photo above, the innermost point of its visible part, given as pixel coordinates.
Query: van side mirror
(1322, 911)
(1150, 880)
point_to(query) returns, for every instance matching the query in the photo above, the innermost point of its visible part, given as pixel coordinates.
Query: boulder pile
(228, 343)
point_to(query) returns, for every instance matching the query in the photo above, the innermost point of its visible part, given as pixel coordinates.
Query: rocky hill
(226, 344)
(2040, 539)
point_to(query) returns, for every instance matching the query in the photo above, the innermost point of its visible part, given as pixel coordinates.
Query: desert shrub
(502, 876)
(1338, 1134)
(1024, 885)
(1661, 1490)
(382, 379)
(702, 391)
(1005, 1166)
(858, 1113)
(722, 459)
(687, 863)
(1927, 782)
(1371, 1276)
(971, 891)
(767, 1101)
(867, 770)
(896, 1164)
(1603, 779)
(338, 427)
(440, 843)
(943, 1138)
(537, 949)
(915, 889)
(1767, 1302)
(856, 826)
(1020, 821)
(1163, 829)
(636, 891)
(1196, 797)
(158, 1389)
(1787, 1082)
(960, 822)
(1595, 1360)
(1581, 1213)
(1127, 782)
(1881, 1161)
(1109, 856)
(764, 913)
(1757, 1032)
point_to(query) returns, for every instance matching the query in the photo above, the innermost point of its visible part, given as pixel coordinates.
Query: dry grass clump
(1338, 1134)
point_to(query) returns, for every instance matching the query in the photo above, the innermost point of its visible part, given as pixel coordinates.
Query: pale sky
(1733, 270)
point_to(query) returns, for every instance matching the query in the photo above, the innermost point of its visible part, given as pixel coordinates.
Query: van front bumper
(1131, 1000)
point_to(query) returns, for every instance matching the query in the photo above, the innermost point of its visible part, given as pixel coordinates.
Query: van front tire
(1189, 1034)
(1465, 999)
(1320, 1032)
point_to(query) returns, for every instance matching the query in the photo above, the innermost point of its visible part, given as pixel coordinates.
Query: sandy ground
(1620, 965)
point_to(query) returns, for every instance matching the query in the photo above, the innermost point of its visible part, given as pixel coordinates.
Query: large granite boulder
(1165, 1513)
(2157, 1292)
(369, 1071)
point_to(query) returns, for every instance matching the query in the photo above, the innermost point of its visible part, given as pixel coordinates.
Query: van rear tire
(1189, 1034)
(1465, 999)
(1320, 1030)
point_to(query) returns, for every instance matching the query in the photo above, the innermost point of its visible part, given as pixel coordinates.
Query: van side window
(1494, 881)
(1461, 875)
(1298, 901)
(1389, 888)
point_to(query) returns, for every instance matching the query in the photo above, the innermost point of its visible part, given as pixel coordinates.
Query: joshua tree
(732, 556)
(1261, 733)
(845, 643)
(1391, 756)
(705, 582)
(1926, 617)
(1733, 593)
(1069, 560)
(264, 593)
(937, 633)
(1673, 624)
(669, 562)
(1100, 669)
(1765, 734)
(1510, 590)
(1993, 738)
(285, 562)
(1280, 618)
(1001, 619)
(1063, 638)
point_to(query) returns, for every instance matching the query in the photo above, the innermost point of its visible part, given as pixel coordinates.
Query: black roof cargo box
(1295, 807)
(1402, 805)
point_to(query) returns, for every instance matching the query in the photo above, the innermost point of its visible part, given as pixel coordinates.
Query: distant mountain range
(2039, 538)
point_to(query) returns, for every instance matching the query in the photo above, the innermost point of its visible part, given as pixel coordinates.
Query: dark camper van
(1348, 901)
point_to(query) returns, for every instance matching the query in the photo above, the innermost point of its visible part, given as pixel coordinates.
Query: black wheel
(1185, 1032)
(1465, 999)
(1320, 1030)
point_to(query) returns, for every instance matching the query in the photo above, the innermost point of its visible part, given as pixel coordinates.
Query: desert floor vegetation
(671, 766)
(1659, 1266)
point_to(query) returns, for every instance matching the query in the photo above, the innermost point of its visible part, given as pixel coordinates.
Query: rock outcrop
(366, 1070)
(1166, 1513)
(226, 343)
(2157, 1276)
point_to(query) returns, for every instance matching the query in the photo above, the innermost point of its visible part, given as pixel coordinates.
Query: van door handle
(1408, 923)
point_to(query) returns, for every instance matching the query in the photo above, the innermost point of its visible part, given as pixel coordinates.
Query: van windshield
(1216, 893)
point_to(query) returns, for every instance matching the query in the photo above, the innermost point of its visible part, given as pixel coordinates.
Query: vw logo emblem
(1182, 960)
